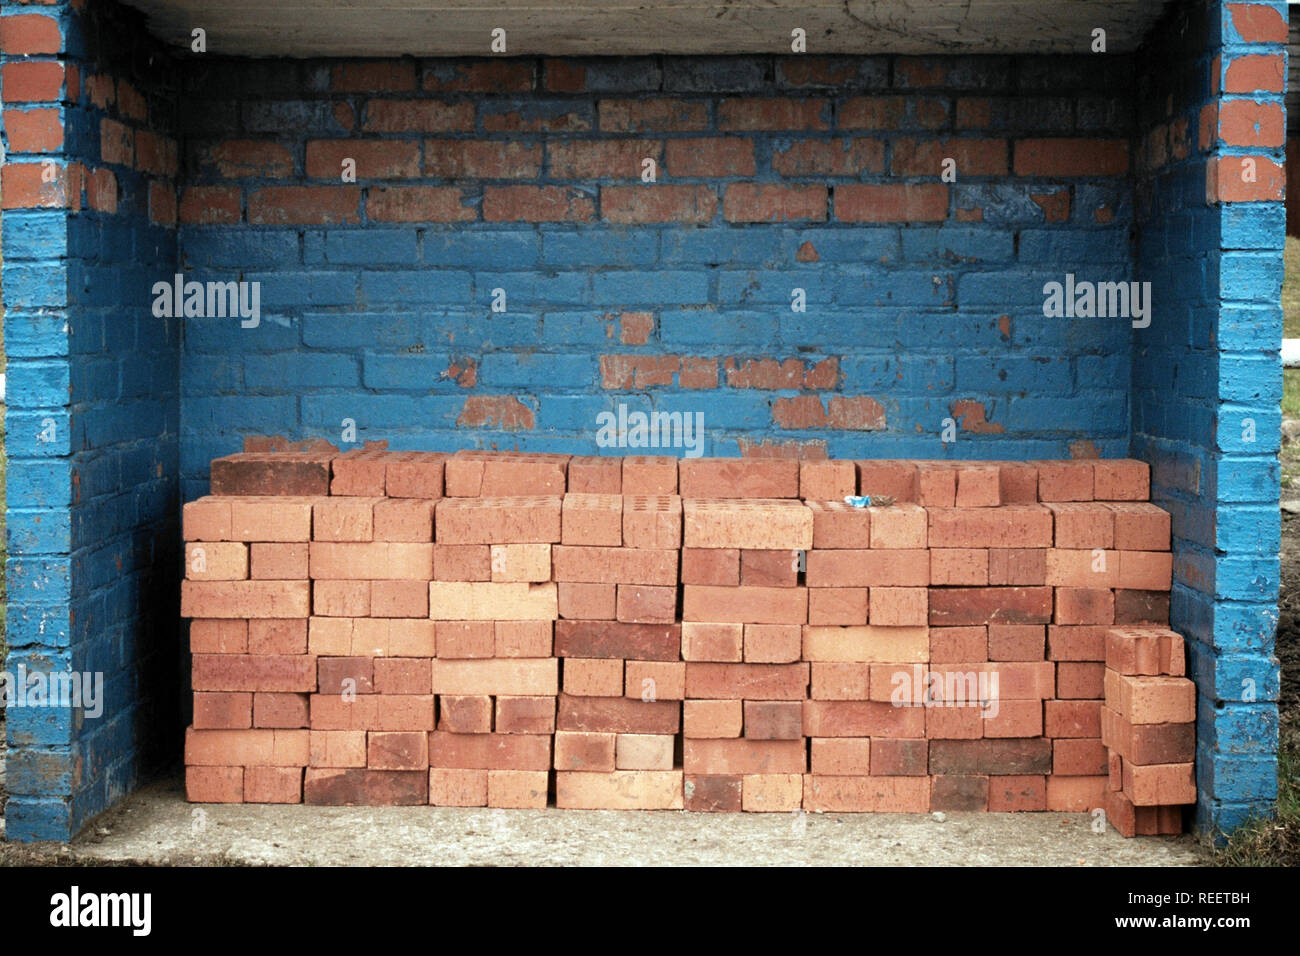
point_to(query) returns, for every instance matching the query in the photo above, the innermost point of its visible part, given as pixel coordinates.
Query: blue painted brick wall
(92, 424)
(1207, 376)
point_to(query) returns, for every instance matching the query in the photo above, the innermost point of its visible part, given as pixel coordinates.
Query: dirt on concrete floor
(156, 826)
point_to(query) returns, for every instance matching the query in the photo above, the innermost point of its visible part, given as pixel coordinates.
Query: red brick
(959, 644)
(251, 159)
(25, 186)
(366, 788)
(1015, 793)
(213, 784)
(959, 566)
(246, 748)
(341, 598)
(713, 793)
(1149, 699)
(756, 113)
(286, 561)
(278, 474)
(1085, 606)
(492, 520)
(536, 204)
(593, 475)
(219, 637)
(1141, 607)
(346, 675)
(658, 203)
(515, 677)
(1071, 157)
(1256, 23)
(601, 158)
(747, 605)
(847, 156)
(652, 522)
(223, 711)
(1145, 744)
(1017, 566)
(34, 131)
(669, 114)
(30, 33)
(615, 565)
(769, 568)
(1253, 73)
(827, 482)
(489, 751)
(937, 482)
(462, 562)
(529, 563)
(866, 794)
(408, 520)
(846, 568)
(741, 756)
(525, 715)
(481, 159)
(1159, 784)
(897, 479)
(927, 202)
(847, 606)
(378, 560)
(459, 714)
(773, 719)
(421, 115)
(772, 643)
(1140, 526)
(1015, 642)
(304, 205)
(1226, 180)
(645, 604)
(611, 639)
(405, 750)
(524, 638)
(1079, 757)
(1065, 480)
(417, 204)
(960, 792)
(739, 478)
(899, 607)
(643, 752)
(1020, 526)
(755, 202)
(1079, 680)
(344, 519)
(649, 475)
(373, 159)
(620, 790)
(286, 711)
(584, 751)
(618, 715)
(273, 785)
(861, 718)
(360, 472)
(586, 602)
(962, 606)
(33, 81)
(414, 475)
(994, 757)
(402, 675)
(458, 788)
(867, 643)
(973, 156)
(712, 642)
(1072, 718)
(655, 680)
(711, 566)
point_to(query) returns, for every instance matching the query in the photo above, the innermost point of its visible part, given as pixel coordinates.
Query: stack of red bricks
(502, 629)
(1149, 725)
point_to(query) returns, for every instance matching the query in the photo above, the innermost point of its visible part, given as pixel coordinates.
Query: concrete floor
(156, 824)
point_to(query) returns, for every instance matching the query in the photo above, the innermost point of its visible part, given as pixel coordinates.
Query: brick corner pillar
(1207, 378)
(90, 428)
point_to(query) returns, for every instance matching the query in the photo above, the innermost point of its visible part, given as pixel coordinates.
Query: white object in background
(1291, 353)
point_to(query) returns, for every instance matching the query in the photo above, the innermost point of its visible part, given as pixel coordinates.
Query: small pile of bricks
(1148, 724)
(510, 630)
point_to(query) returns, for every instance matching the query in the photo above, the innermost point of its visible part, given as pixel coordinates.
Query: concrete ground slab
(155, 824)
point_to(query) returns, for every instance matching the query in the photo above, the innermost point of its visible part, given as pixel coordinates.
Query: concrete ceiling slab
(386, 28)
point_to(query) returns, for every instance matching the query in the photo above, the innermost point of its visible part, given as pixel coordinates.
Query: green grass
(1275, 840)
(1291, 289)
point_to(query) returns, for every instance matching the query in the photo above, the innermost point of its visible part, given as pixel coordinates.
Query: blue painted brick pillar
(1206, 373)
(91, 423)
